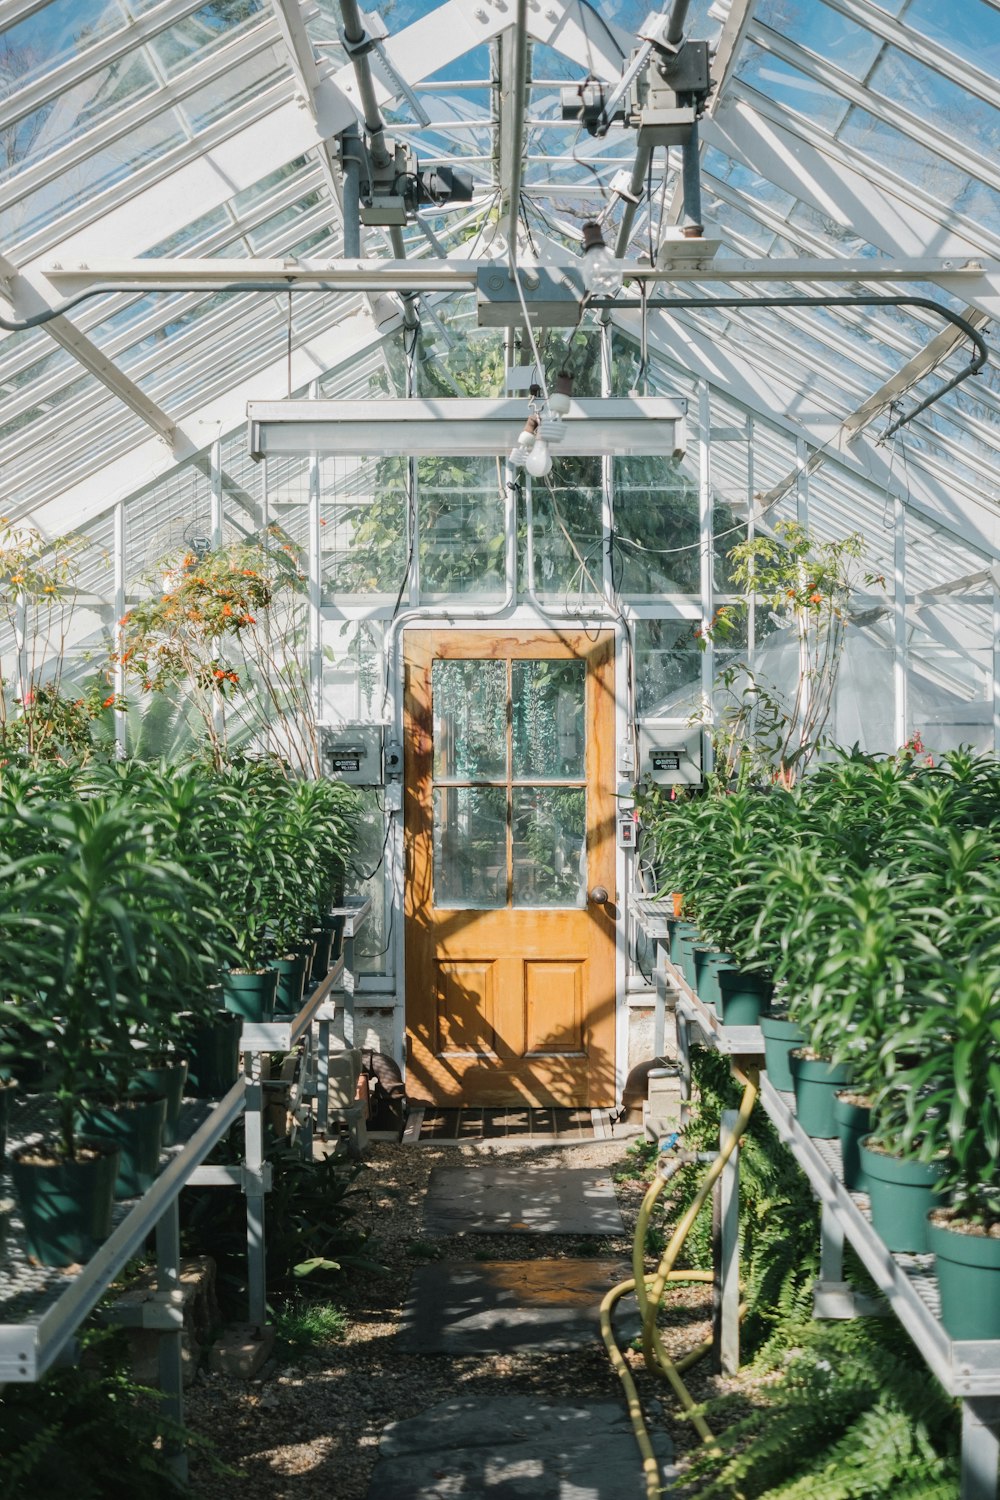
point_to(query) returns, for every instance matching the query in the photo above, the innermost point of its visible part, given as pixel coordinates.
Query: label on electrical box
(665, 760)
(343, 763)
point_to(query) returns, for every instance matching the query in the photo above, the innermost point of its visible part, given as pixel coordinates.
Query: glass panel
(825, 32)
(547, 699)
(470, 847)
(550, 846)
(470, 720)
(778, 80)
(667, 668)
(904, 80)
(43, 40)
(977, 39)
(461, 525)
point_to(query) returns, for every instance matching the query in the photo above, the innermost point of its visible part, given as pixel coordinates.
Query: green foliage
(312, 1228)
(89, 1430)
(304, 1323)
(849, 1413)
(779, 1220)
(871, 892)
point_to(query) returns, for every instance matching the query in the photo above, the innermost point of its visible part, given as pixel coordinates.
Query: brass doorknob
(599, 895)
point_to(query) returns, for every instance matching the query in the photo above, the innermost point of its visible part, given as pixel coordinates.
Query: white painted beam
(961, 274)
(770, 393)
(824, 175)
(141, 466)
(921, 365)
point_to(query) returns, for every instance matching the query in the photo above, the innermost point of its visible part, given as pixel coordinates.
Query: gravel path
(311, 1428)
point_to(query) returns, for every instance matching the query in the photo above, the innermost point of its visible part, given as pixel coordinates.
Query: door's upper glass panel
(470, 719)
(547, 702)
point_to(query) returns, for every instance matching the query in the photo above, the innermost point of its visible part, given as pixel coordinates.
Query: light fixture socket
(593, 236)
(560, 395)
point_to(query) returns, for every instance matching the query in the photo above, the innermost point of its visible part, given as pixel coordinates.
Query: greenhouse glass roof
(848, 147)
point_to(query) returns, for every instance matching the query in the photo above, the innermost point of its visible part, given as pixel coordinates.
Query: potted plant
(952, 1103)
(87, 916)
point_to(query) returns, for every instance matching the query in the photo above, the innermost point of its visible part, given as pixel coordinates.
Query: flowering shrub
(227, 629)
(38, 585)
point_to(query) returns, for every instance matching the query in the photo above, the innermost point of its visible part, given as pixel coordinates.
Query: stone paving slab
(480, 1307)
(521, 1200)
(514, 1448)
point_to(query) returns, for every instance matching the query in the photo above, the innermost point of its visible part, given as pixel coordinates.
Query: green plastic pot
(8, 1086)
(323, 939)
(815, 1082)
(250, 995)
(683, 932)
(291, 983)
(213, 1053)
(165, 1074)
(968, 1273)
(781, 1037)
(902, 1194)
(66, 1206)
(707, 963)
(743, 998)
(853, 1121)
(135, 1126)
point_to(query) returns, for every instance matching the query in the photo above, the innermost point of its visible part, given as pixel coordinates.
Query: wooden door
(510, 833)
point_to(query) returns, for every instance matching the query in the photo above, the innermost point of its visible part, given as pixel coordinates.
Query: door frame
(519, 623)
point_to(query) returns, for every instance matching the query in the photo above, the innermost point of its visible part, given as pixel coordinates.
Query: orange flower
(227, 609)
(791, 593)
(815, 597)
(219, 674)
(248, 620)
(108, 701)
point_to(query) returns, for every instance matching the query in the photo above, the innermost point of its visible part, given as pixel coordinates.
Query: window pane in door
(470, 847)
(547, 699)
(470, 720)
(550, 846)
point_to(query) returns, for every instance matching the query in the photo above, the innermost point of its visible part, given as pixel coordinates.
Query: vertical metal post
(706, 553)
(216, 516)
(996, 658)
(315, 584)
(118, 535)
(684, 1062)
(692, 224)
(170, 1341)
(899, 664)
(350, 157)
(322, 1076)
(348, 982)
(831, 1249)
(254, 1189)
(980, 1448)
(728, 1189)
(751, 533)
(660, 984)
(607, 475)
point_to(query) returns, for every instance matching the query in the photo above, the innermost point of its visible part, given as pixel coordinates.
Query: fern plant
(851, 1415)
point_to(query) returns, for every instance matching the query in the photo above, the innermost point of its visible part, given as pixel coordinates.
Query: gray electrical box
(353, 753)
(669, 756)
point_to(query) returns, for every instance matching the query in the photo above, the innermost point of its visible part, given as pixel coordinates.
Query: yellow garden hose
(649, 1292)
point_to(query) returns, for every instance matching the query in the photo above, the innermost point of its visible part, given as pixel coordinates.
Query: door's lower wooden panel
(553, 995)
(466, 1008)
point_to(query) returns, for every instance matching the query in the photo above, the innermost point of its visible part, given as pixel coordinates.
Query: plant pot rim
(945, 1218)
(46, 1154)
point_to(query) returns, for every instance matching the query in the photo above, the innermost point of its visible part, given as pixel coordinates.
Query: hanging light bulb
(539, 461)
(526, 441)
(602, 275)
(562, 391)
